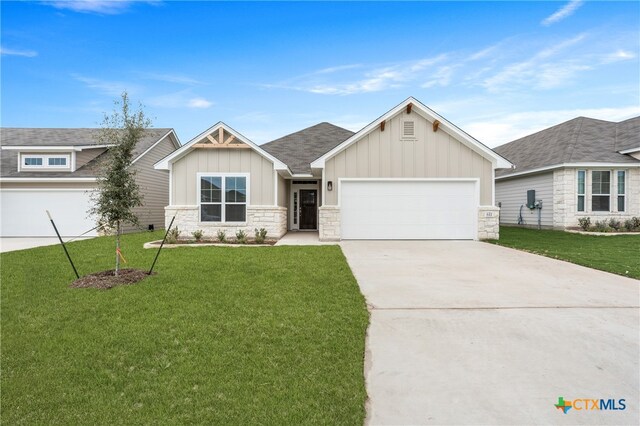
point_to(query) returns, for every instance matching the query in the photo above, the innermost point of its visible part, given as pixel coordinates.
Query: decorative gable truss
(220, 138)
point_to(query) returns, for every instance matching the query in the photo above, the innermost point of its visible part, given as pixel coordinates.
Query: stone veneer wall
(329, 223)
(273, 219)
(565, 199)
(488, 223)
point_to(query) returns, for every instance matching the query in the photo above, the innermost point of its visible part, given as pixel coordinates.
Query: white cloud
(562, 13)
(107, 87)
(101, 7)
(18, 52)
(499, 129)
(619, 55)
(172, 78)
(199, 103)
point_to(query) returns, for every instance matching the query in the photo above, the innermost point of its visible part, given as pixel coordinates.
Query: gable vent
(408, 129)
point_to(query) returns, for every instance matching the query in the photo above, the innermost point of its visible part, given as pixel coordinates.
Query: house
(410, 174)
(583, 167)
(56, 170)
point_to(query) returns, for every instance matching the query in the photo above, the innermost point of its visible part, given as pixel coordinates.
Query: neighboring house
(56, 169)
(583, 167)
(410, 174)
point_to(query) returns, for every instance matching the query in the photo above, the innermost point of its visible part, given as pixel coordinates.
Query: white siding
(512, 193)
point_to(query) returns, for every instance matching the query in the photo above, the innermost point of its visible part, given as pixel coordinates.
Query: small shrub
(585, 223)
(615, 224)
(173, 235)
(636, 222)
(197, 234)
(628, 225)
(600, 226)
(241, 237)
(261, 235)
(221, 235)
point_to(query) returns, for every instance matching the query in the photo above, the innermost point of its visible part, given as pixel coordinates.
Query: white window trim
(415, 129)
(223, 198)
(45, 161)
(584, 194)
(610, 194)
(624, 195)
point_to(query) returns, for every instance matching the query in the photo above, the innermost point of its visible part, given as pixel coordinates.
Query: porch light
(329, 186)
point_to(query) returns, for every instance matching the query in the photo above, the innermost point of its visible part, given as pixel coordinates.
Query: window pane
(581, 176)
(210, 189)
(620, 203)
(57, 161)
(600, 203)
(600, 183)
(580, 203)
(621, 182)
(210, 213)
(236, 190)
(235, 212)
(33, 161)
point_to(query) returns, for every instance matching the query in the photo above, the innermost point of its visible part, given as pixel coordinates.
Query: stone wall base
(488, 223)
(329, 223)
(273, 219)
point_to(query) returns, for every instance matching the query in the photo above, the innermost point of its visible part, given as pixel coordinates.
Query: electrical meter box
(531, 199)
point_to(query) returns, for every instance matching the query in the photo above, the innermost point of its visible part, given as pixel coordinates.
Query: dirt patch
(107, 279)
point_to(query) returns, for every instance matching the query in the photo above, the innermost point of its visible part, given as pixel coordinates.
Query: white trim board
(571, 165)
(497, 160)
(630, 151)
(53, 180)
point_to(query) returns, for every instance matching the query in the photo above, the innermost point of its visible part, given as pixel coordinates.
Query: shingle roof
(299, 149)
(578, 140)
(34, 137)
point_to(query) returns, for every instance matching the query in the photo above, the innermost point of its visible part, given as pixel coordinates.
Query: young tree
(118, 193)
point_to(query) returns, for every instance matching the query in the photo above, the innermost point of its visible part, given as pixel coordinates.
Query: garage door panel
(408, 209)
(22, 213)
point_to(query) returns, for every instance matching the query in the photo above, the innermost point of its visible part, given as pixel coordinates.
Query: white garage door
(22, 213)
(408, 210)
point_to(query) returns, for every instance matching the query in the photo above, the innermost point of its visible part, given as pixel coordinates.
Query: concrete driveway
(472, 333)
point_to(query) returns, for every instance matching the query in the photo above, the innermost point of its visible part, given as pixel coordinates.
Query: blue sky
(499, 70)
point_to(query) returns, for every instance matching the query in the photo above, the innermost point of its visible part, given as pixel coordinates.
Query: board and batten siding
(283, 194)
(512, 193)
(384, 154)
(186, 169)
(154, 185)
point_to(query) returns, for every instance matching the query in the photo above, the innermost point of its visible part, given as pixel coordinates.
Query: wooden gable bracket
(409, 106)
(382, 126)
(435, 125)
(218, 144)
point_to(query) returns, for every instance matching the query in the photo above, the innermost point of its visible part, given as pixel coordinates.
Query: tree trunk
(117, 248)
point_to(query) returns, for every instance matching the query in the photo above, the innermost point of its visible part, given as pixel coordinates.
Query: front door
(308, 209)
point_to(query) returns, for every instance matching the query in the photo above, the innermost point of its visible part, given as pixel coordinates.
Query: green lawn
(618, 254)
(268, 335)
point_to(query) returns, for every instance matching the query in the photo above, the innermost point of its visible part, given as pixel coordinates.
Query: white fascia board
(572, 165)
(157, 142)
(186, 148)
(53, 147)
(54, 180)
(498, 161)
(630, 151)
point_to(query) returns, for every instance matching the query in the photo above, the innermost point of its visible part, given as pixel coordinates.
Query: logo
(588, 404)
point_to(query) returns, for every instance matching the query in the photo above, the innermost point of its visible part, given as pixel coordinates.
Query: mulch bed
(107, 279)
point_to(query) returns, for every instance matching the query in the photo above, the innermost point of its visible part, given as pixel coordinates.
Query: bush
(601, 226)
(261, 235)
(221, 235)
(636, 222)
(241, 237)
(628, 225)
(585, 223)
(197, 234)
(173, 235)
(615, 224)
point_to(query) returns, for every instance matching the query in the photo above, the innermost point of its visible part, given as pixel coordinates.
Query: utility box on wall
(531, 199)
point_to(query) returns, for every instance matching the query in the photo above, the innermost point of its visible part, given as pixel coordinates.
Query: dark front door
(308, 209)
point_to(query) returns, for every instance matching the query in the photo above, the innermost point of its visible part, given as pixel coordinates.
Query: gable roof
(165, 163)
(497, 160)
(299, 149)
(15, 139)
(580, 140)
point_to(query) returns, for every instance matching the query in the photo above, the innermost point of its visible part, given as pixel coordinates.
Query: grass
(269, 335)
(618, 254)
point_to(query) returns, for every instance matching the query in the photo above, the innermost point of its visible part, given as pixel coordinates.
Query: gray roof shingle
(34, 137)
(299, 149)
(578, 140)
